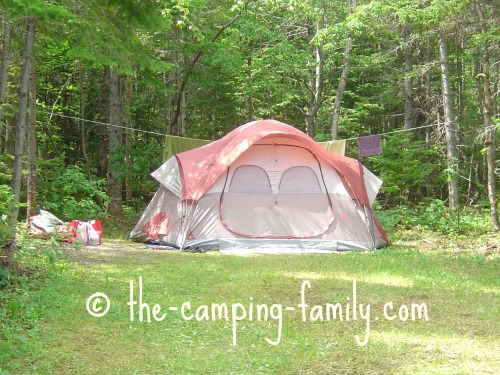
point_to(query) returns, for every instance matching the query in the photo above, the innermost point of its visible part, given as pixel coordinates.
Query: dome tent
(264, 187)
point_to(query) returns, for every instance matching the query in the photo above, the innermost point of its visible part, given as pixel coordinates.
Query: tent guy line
(164, 135)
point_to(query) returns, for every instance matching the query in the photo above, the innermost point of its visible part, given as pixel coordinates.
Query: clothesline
(396, 131)
(163, 135)
(105, 124)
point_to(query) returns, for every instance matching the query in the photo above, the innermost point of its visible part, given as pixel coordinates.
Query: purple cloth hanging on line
(369, 145)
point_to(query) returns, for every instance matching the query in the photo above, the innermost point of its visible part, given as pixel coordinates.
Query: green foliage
(6, 230)
(6, 162)
(407, 168)
(68, 193)
(432, 215)
(42, 10)
(135, 163)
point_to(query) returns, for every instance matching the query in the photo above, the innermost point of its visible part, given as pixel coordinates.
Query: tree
(179, 103)
(115, 134)
(103, 117)
(489, 127)
(408, 77)
(449, 125)
(198, 69)
(31, 140)
(20, 131)
(343, 77)
(316, 84)
(4, 71)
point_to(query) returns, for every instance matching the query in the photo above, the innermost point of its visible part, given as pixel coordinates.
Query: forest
(89, 89)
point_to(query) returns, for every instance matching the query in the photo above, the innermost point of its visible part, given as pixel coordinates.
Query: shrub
(409, 170)
(141, 159)
(433, 215)
(6, 231)
(68, 193)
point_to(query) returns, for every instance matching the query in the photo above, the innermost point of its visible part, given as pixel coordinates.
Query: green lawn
(458, 291)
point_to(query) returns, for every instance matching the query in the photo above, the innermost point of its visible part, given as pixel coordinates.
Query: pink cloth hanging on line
(369, 145)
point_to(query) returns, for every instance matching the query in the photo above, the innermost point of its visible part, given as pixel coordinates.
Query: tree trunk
(115, 132)
(182, 121)
(19, 146)
(4, 76)
(489, 127)
(428, 104)
(408, 78)
(460, 79)
(250, 109)
(83, 140)
(32, 148)
(449, 124)
(316, 84)
(127, 122)
(102, 165)
(343, 78)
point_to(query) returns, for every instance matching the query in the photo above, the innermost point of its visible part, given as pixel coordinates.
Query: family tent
(265, 187)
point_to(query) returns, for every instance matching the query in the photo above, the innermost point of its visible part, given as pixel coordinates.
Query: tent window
(250, 179)
(300, 179)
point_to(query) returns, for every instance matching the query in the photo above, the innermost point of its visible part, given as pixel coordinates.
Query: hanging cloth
(175, 145)
(369, 145)
(336, 147)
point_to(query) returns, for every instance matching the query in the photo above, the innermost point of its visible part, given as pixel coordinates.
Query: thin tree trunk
(127, 121)
(8, 250)
(460, 79)
(83, 140)
(182, 122)
(250, 109)
(428, 105)
(32, 148)
(489, 127)
(449, 124)
(102, 165)
(343, 78)
(408, 77)
(4, 76)
(316, 85)
(115, 207)
(128, 162)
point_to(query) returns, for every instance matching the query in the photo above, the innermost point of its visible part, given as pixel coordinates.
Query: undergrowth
(433, 215)
(37, 262)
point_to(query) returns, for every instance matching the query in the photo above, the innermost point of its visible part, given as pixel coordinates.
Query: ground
(434, 307)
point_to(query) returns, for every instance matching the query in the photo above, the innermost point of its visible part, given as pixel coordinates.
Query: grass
(51, 332)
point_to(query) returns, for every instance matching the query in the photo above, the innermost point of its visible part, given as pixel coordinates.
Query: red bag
(87, 232)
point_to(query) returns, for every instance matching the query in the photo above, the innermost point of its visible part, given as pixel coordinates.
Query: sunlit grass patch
(442, 353)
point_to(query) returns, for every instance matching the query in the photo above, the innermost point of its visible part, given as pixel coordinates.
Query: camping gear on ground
(87, 232)
(264, 187)
(46, 225)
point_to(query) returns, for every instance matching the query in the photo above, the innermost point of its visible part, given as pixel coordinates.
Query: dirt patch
(106, 252)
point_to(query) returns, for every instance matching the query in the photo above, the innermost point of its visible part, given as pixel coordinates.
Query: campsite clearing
(267, 314)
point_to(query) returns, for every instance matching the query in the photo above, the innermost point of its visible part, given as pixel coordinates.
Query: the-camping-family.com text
(143, 311)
